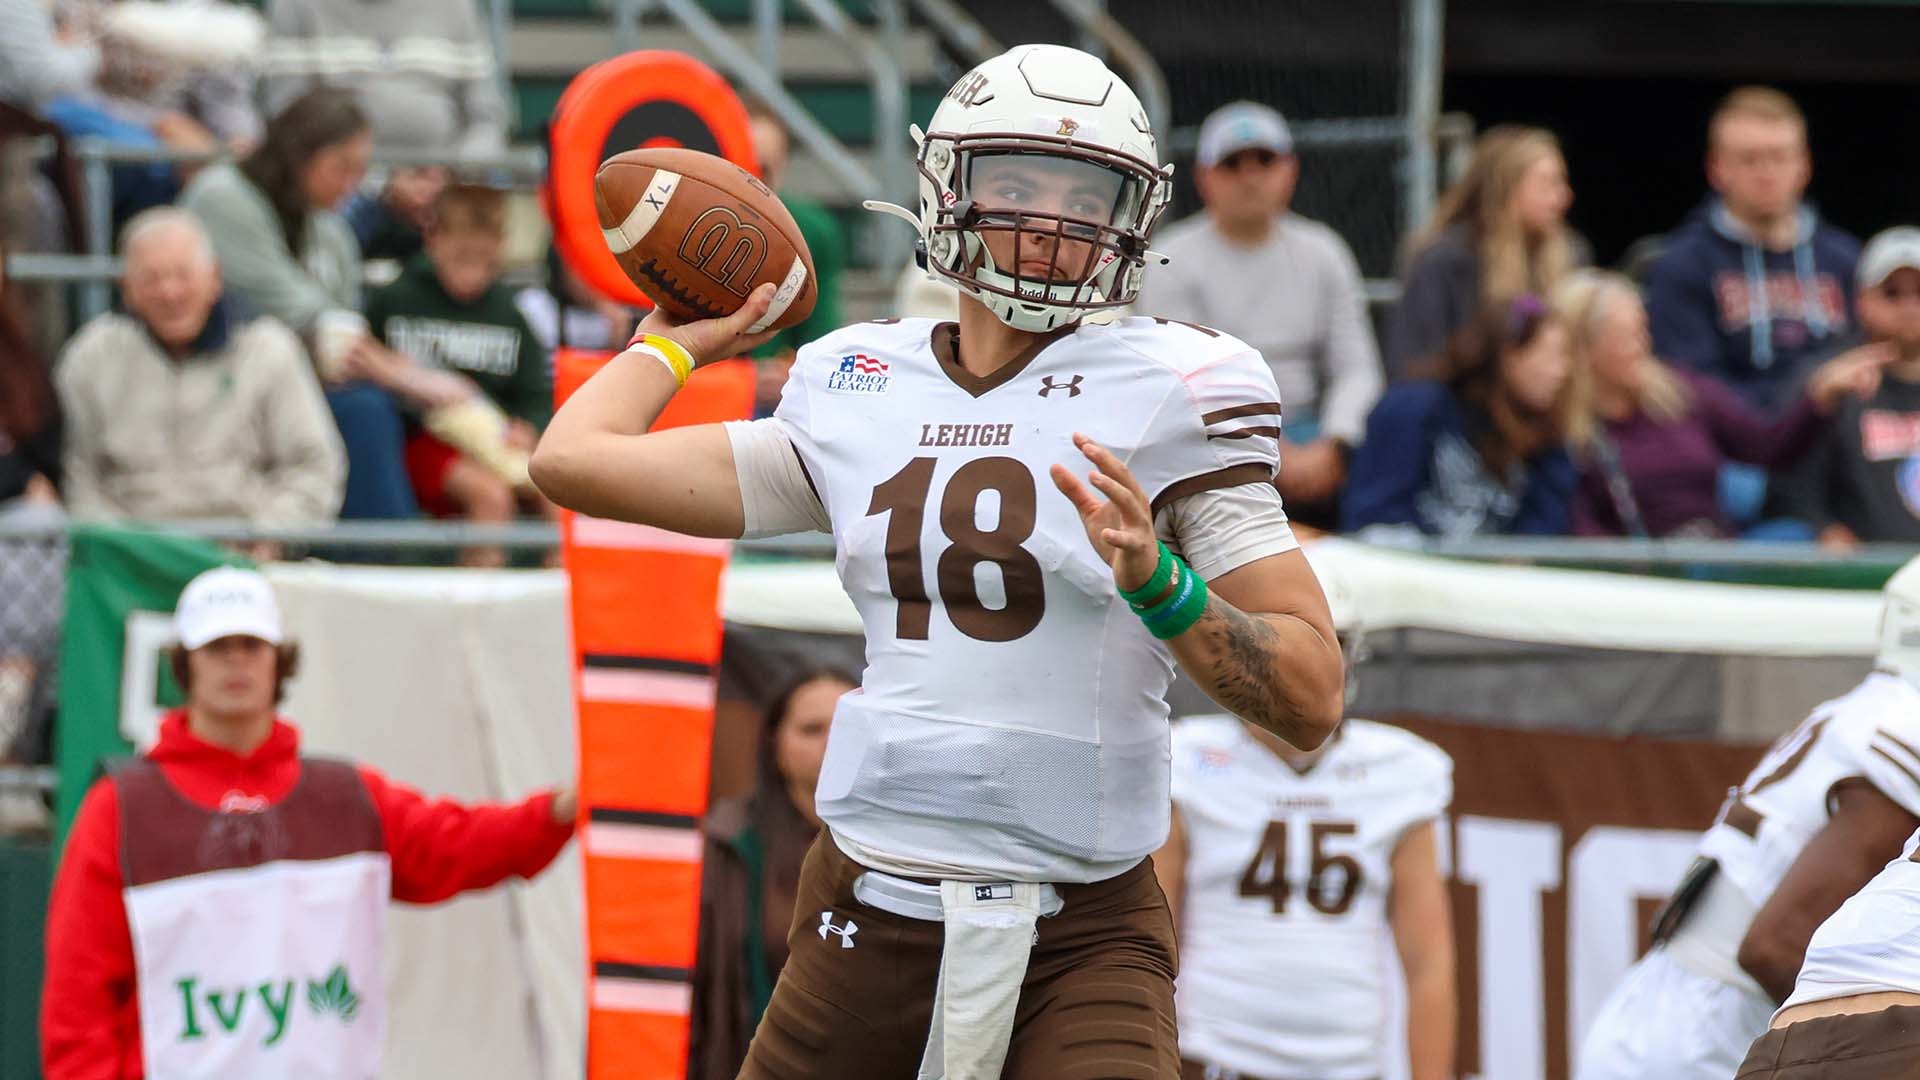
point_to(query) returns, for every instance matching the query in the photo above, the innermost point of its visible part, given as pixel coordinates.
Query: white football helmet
(1047, 152)
(1900, 624)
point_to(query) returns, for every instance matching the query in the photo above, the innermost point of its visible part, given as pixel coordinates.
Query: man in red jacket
(220, 910)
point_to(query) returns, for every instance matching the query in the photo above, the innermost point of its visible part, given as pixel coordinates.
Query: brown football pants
(1880, 1045)
(1096, 1004)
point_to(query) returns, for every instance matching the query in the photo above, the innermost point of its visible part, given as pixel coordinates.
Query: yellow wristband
(671, 353)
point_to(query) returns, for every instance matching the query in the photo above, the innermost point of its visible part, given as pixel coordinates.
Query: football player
(1294, 876)
(1036, 519)
(1825, 809)
(1855, 1009)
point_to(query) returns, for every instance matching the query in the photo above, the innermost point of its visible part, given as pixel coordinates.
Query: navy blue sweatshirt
(1419, 467)
(1754, 319)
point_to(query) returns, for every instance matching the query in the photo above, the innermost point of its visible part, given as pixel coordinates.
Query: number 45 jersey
(1287, 955)
(1012, 720)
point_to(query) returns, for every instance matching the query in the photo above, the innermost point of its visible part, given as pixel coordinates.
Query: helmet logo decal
(971, 91)
(1068, 125)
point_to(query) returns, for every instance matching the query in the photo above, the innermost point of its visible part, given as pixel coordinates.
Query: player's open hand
(1120, 526)
(708, 340)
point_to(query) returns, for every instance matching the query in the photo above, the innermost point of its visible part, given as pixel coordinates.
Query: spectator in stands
(825, 240)
(448, 310)
(1284, 284)
(423, 69)
(1499, 232)
(285, 253)
(1754, 286)
(182, 408)
(31, 569)
(391, 224)
(751, 874)
(1482, 448)
(1861, 482)
(568, 313)
(40, 62)
(220, 908)
(1651, 440)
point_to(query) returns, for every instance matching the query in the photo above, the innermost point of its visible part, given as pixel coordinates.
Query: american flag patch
(863, 364)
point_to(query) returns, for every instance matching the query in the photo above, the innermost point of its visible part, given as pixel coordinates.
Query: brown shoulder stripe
(1897, 741)
(1257, 408)
(1231, 476)
(1898, 764)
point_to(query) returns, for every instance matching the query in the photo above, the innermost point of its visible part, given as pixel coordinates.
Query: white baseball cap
(224, 602)
(1892, 249)
(1242, 125)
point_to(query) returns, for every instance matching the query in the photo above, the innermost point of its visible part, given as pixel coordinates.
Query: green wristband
(1157, 584)
(1178, 615)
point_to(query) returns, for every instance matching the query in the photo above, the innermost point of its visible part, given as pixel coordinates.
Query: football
(698, 233)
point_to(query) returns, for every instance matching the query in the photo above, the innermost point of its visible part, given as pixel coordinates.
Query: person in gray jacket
(179, 409)
(286, 253)
(422, 69)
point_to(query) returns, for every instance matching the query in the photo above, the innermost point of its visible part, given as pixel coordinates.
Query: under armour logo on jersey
(846, 932)
(1071, 386)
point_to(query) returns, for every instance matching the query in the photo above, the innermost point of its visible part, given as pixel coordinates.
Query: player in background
(1825, 809)
(1855, 1010)
(1294, 878)
(980, 903)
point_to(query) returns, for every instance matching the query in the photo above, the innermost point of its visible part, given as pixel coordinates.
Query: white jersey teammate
(1290, 870)
(981, 903)
(1824, 810)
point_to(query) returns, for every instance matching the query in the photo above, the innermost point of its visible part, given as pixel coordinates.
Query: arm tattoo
(1242, 671)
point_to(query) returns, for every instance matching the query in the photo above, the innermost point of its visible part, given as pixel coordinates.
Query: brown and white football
(698, 233)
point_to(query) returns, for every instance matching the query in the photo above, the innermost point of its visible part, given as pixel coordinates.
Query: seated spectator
(31, 568)
(423, 70)
(825, 240)
(567, 313)
(1754, 285)
(449, 311)
(182, 408)
(285, 253)
(1482, 448)
(750, 875)
(1499, 232)
(1861, 481)
(1651, 440)
(391, 224)
(1286, 285)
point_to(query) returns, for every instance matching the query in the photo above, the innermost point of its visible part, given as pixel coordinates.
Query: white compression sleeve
(1227, 528)
(775, 495)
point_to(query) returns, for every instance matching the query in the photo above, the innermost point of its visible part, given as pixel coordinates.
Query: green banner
(121, 587)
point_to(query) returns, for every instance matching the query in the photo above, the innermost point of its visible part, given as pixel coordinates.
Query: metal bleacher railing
(96, 267)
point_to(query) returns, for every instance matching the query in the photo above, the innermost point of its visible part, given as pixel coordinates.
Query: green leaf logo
(335, 995)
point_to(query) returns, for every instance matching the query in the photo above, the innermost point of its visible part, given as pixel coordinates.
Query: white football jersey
(1287, 959)
(1011, 720)
(1872, 943)
(1873, 732)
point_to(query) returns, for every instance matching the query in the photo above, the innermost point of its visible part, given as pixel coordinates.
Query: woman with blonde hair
(1499, 232)
(1651, 439)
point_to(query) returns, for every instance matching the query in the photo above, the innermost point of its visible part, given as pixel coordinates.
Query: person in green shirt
(448, 310)
(825, 240)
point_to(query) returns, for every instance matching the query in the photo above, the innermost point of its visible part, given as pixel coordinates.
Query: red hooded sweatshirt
(89, 1018)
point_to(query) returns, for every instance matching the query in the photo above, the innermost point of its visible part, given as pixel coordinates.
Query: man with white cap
(1286, 285)
(1861, 482)
(220, 907)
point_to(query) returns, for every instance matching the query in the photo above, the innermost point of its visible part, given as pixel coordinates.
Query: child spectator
(448, 310)
(1499, 232)
(1652, 440)
(1861, 483)
(1482, 448)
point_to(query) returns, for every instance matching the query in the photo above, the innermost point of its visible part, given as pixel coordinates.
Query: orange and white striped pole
(645, 607)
